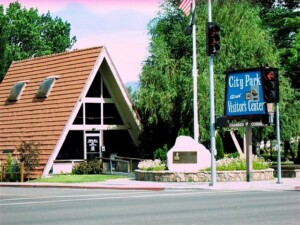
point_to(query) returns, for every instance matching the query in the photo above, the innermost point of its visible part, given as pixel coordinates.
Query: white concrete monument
(188, 156)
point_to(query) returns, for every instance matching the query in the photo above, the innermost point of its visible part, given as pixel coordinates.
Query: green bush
(96, 166)
(161, 153)
(233, 155)
(184, 132)
(88, 167)
(219, 146)
(12, 170)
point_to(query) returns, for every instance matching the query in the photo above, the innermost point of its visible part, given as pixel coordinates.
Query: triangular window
(16, 91)
(95, 89)
(79, 117)
(105, 92)
(98, 88)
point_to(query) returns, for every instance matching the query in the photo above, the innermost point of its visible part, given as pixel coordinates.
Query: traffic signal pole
(278, 145)
(212, 109)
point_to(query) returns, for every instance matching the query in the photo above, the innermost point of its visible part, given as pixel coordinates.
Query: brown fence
(6, 170)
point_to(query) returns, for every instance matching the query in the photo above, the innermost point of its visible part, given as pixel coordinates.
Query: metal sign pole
(249, 151)
(212, 109)
(278, 145)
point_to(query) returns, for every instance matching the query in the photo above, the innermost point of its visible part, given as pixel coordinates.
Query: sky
(120, 25)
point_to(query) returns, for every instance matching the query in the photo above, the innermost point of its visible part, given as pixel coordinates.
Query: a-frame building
(72, 104)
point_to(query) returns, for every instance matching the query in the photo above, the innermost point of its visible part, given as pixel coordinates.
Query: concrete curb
(130, 184)
(83, 186)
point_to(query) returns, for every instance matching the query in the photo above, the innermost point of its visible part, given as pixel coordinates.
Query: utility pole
(278, 145)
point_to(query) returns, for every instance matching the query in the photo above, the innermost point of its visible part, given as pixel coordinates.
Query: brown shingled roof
(43, 120)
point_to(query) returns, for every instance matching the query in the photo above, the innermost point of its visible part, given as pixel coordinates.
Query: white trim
(85, 144)
(128, 102)
(98, 127)
(97, 100)
(73, 114)
(82, 100)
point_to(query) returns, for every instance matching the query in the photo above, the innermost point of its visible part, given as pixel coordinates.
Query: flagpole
(195, 75)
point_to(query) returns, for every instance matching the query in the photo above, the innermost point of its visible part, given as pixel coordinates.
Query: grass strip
(77, 178)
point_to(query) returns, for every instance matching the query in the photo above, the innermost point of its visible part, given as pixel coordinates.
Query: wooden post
(22, 172)
(128, 166)
(236, 143)
(110, 166)
(2, 172)
(249, 152)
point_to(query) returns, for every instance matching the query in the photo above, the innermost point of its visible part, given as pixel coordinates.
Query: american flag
(185, 6)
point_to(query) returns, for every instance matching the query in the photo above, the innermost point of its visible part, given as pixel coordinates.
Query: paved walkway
(131, 184)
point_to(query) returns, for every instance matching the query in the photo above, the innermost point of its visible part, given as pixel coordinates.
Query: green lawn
(78, 178)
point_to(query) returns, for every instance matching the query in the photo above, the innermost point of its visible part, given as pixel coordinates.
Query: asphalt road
(43, 206)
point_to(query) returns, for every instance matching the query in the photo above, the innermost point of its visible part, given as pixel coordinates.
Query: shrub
(219, 146)
(231, 164)
(152, 165)
(88, 167)
(96, 166)
(233, 155)
(12, 170)
(29, 154)
(161, 153)
(259, 163)
(184, 131)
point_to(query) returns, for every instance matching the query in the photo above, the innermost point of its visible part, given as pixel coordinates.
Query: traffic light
(212, 38)
(270, 82)
(221, 121)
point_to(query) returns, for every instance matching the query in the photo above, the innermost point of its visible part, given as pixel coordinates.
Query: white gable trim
(73, 115)
(82, 99)
(122, 87)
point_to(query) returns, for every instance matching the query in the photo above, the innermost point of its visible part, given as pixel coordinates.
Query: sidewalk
(131, 184)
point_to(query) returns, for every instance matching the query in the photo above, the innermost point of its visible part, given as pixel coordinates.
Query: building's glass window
(45, 87)
(111, 115)
(16, 91)
(79, 116)
(95, 89)
(105, 92)
(92, 113)
(73, 146)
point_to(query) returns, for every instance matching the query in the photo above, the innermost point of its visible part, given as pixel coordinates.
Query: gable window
(45, 87)
(16, 91)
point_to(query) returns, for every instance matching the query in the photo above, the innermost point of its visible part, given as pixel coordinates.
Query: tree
(3, 44)
(25, 34)
(283, 20)
(29, 153)
(165, 97)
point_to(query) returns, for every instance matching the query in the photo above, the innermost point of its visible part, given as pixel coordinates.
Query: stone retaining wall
(202, 176)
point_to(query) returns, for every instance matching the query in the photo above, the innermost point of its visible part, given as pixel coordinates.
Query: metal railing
(117, 164)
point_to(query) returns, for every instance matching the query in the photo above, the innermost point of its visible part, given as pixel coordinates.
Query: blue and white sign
(244, 94)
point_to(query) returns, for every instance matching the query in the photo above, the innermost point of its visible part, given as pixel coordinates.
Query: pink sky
(121, 25)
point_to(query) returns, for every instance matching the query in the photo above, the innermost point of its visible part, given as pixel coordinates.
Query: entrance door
(92, 145)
